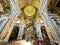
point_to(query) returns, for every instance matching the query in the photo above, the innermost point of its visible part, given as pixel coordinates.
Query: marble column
(38, 31)
(21, 30)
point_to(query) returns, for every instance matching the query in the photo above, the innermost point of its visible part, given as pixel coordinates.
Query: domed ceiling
(29, 10)
(29, 7)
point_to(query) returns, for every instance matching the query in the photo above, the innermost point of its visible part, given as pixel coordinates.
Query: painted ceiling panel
(35, 3)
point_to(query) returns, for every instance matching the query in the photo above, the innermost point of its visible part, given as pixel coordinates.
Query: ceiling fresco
(4, 6)
(35, 3)
(29, 10)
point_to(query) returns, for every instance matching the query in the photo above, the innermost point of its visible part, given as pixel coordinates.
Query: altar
(29, 32)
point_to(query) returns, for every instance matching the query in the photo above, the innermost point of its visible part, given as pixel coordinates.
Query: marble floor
(24, 42)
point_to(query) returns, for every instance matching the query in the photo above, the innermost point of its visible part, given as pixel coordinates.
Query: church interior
(29, 22)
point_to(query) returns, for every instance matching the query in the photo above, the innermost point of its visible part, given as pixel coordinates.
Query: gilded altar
(29, 32)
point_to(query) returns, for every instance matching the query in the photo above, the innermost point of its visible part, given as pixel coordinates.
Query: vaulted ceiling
(35, 3)
(29, 10)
